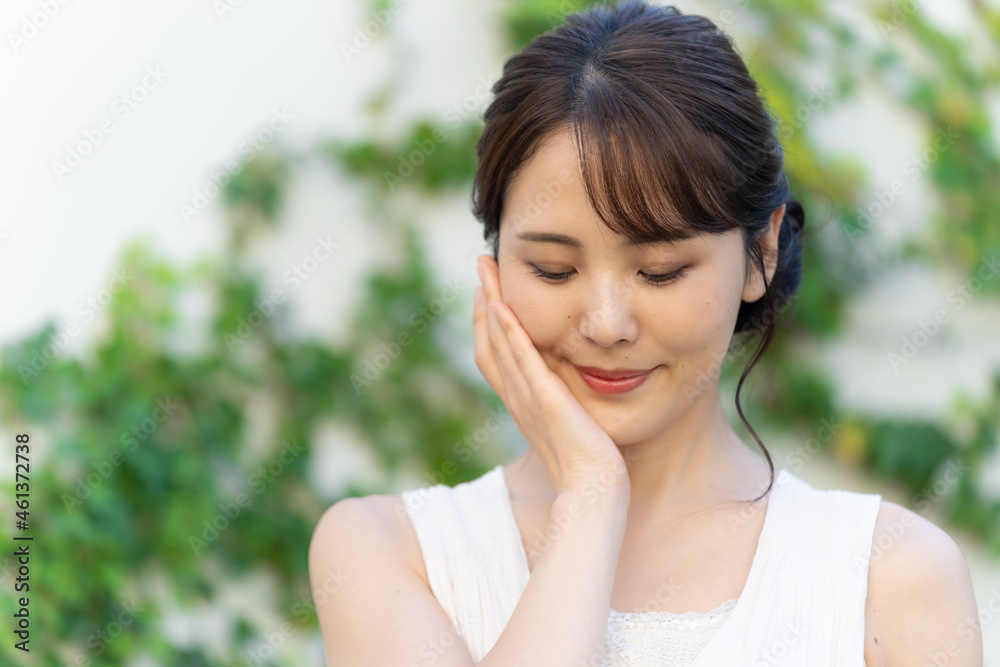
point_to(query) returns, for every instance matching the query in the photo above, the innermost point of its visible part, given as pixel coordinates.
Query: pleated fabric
(803, 602)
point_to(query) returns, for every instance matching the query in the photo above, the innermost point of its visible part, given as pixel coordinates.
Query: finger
(493, 356)
(525, 376)
(489, 275)
(485, 358)
(507, 366)
(525, 401)
(535, 375)
(490, 278)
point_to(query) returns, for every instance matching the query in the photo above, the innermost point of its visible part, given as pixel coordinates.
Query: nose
(609, 317)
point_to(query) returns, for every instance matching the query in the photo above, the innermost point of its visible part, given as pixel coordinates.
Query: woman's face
(605, 314)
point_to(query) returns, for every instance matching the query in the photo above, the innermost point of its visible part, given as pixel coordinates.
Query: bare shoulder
(372, 607)
(365, 526)
(394, 516)
(921, 607)
(349, 531)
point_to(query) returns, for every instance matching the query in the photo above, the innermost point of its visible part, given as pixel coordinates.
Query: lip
(613, 382)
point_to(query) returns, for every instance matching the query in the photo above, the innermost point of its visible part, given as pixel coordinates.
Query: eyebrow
(573, 242)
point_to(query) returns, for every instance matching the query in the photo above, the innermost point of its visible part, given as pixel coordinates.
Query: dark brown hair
(673, 136)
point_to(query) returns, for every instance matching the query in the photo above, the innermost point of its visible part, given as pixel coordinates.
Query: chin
(627, 434)
(625, 422)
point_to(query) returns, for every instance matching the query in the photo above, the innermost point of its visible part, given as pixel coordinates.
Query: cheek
(698, 318)
(542, 312)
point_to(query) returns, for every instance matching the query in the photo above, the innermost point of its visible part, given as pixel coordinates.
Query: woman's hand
(574, 448)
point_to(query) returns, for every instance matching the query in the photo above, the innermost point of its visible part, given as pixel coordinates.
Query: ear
(753, 288)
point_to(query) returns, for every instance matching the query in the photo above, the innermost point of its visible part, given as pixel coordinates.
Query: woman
(632, 186)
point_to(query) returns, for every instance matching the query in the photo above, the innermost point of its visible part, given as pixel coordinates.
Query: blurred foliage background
(174, 480)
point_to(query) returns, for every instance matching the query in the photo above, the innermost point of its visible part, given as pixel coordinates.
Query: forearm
(561, 617)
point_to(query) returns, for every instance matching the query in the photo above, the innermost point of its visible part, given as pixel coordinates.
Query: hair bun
(794, 210)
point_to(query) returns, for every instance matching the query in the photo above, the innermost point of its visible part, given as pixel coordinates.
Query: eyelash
(660, 280)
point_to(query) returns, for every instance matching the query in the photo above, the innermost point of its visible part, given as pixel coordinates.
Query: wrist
(604, 490)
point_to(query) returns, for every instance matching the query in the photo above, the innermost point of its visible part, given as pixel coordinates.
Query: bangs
(649, 172)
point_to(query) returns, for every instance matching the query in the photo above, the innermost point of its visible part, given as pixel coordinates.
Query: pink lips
(612, 382)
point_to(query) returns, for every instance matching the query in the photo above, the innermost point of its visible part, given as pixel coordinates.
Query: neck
(698, 461)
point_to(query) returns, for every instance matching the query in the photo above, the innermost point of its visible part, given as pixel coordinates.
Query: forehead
(547, 200)
(549, 178)
(547, 203)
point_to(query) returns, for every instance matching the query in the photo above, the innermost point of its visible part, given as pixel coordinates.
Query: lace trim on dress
(661, 639)
(687, 619)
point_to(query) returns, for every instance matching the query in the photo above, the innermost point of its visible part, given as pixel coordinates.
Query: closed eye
(658, 280)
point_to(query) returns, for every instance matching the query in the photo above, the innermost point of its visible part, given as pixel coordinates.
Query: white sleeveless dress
(803, 602)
